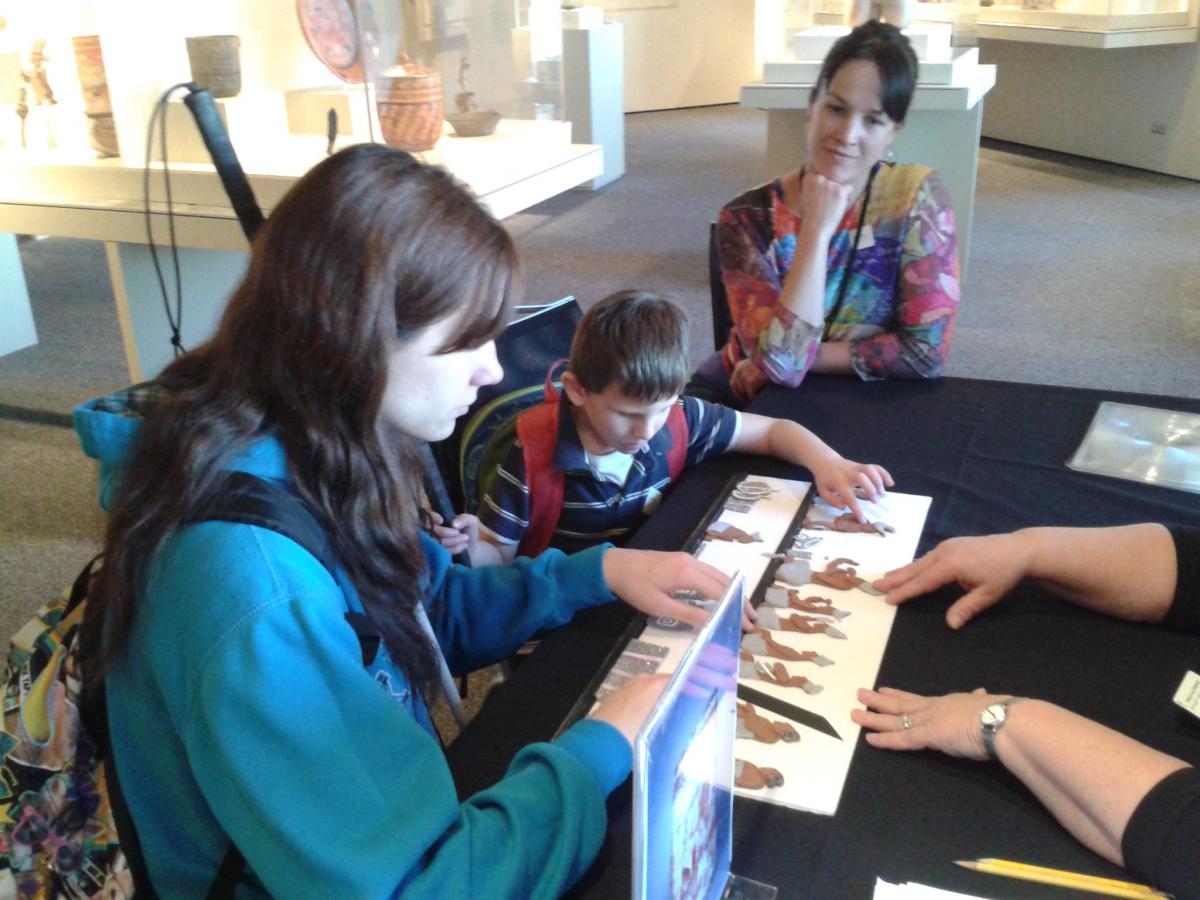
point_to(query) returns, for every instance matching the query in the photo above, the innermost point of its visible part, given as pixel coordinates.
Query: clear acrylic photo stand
(1139, 443)
(683, 772)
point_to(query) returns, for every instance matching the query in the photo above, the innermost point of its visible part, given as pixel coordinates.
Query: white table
(72, 195)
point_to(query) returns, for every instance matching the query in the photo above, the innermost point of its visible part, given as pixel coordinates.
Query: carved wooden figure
(894, 12)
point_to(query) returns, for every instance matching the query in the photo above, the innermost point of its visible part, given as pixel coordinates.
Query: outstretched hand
(949, 723)
(841, 482)
(645, 579)
(987, 568)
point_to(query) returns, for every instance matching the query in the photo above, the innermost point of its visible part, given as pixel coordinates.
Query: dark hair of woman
(892, 54)
(370, 246)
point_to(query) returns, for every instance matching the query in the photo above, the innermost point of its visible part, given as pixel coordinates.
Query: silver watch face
(993, 714)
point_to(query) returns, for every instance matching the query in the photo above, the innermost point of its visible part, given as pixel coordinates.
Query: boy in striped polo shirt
(617, 435)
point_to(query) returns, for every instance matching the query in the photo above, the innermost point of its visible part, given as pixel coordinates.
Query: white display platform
(930, 40)
(942, 130)
(72, 194)
(954, 69)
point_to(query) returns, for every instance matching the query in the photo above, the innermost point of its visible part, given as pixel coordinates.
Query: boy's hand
(645, 580)
(461, 534)
(841, 482)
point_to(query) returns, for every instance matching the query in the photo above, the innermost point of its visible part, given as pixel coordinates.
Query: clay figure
(781, 597)
(840, 575)
(35, 75)
(723, 531)
(809, 625)
(748, 775)
(847, 524)
(776, 673)
(894, 12)
(22, 111)
(753, 726)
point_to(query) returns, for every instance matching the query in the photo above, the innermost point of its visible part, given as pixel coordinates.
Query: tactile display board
(820, 634)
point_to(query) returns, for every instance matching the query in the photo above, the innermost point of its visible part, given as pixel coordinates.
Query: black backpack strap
(249, 500)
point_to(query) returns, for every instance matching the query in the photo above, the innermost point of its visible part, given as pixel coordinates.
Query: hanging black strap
(832, 315)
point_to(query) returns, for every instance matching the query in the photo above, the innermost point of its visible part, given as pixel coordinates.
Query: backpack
(64, 828)
(537, 431)
(468, 459)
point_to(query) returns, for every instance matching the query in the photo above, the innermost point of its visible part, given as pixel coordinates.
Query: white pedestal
(930, 40)
(16, 316)
(594, 93)
(308, 111)
(247, 118)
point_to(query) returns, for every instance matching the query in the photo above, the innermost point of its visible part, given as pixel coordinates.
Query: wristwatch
(991, 720)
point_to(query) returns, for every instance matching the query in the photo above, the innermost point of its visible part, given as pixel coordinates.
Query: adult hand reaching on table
(1127, 571)
(1093, 779)
(986, 567)
(899, 720)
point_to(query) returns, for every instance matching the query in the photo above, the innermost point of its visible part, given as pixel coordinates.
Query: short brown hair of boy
(636, 339)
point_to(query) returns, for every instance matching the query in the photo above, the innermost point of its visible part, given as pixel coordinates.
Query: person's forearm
(803, 290)
(833, 358)
(1126, 571)
(1090, 777)
(781, 438)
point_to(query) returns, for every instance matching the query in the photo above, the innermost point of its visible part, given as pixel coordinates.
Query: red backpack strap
(537, 430)
(677, 427)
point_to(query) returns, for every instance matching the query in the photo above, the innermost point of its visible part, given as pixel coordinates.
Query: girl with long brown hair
(240, 709)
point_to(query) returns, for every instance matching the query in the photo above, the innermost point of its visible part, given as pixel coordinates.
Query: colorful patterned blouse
(901, 299)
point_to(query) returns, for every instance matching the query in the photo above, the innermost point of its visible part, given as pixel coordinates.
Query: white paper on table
(910, 890)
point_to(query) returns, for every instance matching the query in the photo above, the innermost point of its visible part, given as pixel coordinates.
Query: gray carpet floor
(1082, 273)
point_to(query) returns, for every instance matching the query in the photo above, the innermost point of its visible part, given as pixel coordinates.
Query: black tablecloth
(991, 455)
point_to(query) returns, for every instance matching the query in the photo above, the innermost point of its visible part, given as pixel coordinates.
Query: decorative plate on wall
(331, 28)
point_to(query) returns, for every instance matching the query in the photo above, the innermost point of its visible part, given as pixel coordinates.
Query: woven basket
(410, 108)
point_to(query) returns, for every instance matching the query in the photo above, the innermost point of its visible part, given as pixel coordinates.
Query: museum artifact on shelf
(468, 120)
(89, 62)
(409, 97)
(215, 65)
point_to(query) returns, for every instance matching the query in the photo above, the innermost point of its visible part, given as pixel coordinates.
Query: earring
(890, 156)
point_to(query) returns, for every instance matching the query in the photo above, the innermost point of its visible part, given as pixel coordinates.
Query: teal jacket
(240, 708)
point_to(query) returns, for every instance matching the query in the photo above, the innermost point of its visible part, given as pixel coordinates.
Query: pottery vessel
(89, 63)
(409, 99)
(215, 65)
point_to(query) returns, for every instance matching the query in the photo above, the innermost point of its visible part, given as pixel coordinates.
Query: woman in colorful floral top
(801, 299)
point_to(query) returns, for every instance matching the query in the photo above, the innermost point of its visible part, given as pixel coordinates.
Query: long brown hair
(369, 246)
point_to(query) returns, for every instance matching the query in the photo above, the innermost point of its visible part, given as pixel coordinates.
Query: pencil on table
(1094, 883)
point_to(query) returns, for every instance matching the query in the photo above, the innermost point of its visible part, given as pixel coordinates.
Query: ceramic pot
(89, 63)
(474, 122)
(409, 99)
(214, 62)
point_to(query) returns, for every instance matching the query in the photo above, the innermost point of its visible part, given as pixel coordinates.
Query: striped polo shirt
(596, 508)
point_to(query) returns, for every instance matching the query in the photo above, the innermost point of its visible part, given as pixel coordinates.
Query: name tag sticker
(1188, 695)
(867, 238)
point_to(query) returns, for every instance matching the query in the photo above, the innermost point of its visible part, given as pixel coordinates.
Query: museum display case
(291, 78)
(473, 85)
(1092, 23)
